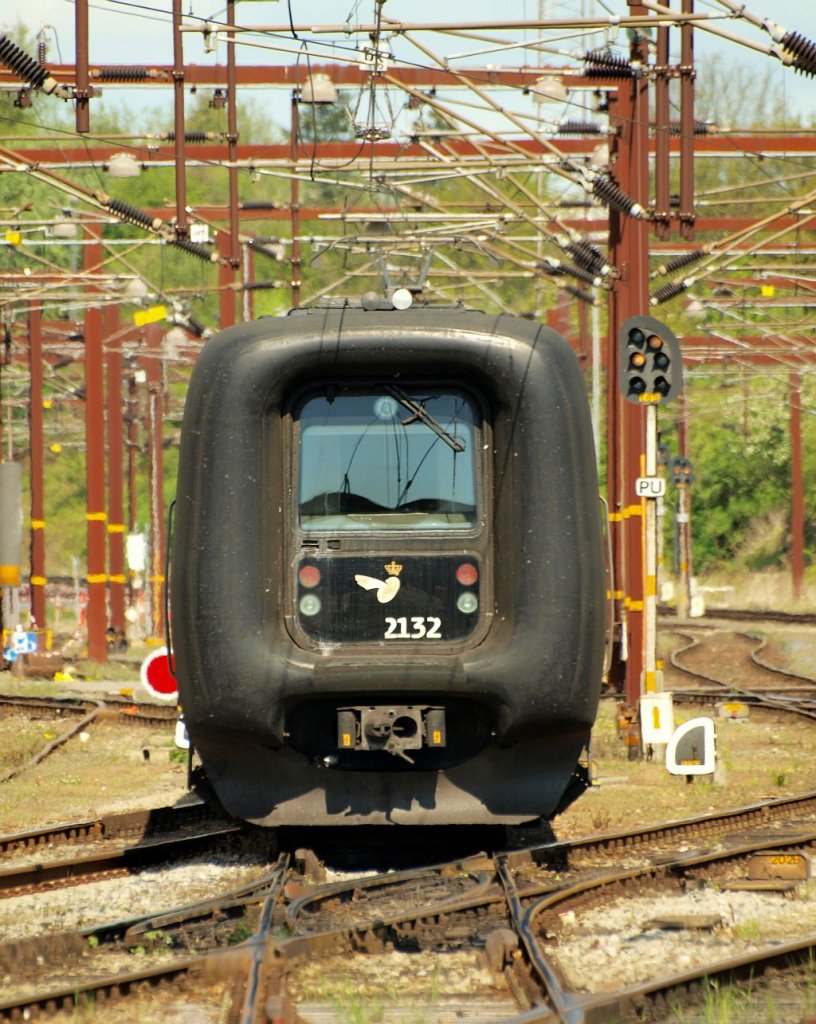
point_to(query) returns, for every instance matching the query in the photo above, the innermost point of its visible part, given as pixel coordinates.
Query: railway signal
(682, 471)
(651, 366)
(650, 370)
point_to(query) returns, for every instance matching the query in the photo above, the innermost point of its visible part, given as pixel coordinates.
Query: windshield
(387, 459)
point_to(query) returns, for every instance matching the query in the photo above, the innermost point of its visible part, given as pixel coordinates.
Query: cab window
(387, 458)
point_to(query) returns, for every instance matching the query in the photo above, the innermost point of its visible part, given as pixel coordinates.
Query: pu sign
(650, 486)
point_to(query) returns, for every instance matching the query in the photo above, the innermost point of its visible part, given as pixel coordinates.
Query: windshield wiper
(421, 413)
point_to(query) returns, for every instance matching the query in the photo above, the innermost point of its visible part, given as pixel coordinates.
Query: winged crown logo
(388, 588)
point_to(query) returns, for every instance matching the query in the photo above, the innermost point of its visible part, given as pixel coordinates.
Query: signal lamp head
(637, 337)
(650, 364)
(309, 576)
(637, 360)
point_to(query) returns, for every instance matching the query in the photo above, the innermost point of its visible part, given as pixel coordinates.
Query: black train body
(387, 570)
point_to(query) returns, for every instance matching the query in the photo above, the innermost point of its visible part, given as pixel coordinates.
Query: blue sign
(20, 642)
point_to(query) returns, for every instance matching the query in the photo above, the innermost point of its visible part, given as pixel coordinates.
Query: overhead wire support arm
(454, 27)
(100, 200)
(594, 183)
(792, 48)
(706, 23)
(28, 70)
(713, 253)
(574, 247)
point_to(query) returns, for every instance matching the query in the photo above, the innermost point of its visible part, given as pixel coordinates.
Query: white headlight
(309, 604)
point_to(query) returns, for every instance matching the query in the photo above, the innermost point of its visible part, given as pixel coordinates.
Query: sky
(136, 31)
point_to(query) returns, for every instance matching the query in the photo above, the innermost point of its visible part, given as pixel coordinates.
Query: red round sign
(156, 676)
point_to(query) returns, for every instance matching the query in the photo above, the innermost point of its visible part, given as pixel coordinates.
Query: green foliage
(325, 122)
(241, 933)
(739, 443)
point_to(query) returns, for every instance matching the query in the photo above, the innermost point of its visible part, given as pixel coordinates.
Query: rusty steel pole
(116, 448)
(37, 578)
(83, 91)
(178, 124)
(629, 296)
(662, 135)
(95, 464)
(226, 282)
(232, 142)
(797, 486)
(155, 475)
(687, 73)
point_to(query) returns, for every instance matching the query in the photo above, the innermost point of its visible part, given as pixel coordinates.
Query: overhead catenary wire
(602, 181)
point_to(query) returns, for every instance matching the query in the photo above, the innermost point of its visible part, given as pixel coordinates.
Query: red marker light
(467, 574)
(309, 576)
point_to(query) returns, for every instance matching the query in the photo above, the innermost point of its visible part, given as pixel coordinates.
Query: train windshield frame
(387, 457)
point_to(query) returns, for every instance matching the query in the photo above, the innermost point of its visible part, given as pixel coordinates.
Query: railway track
(750, 615)
(75, 715)
(507, 926)
(509, 909)
(750, 677)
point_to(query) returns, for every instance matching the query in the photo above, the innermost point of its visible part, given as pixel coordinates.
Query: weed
(725, 1005)
(241, 933)
(810, 983)
(84, 1007)
(747, 930)
(601, 821)
(224, 1009)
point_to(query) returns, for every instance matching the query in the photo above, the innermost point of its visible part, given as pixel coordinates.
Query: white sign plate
(650, 486)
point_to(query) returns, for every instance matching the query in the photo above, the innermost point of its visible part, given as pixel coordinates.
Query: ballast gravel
(151, 891)
(612, 947)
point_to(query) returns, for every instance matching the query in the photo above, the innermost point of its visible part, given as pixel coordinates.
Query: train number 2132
(427, 628)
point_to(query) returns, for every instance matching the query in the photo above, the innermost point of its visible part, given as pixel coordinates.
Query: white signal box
(656, 718)
(691, 749)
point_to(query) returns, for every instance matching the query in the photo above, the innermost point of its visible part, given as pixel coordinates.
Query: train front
(387, 572)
